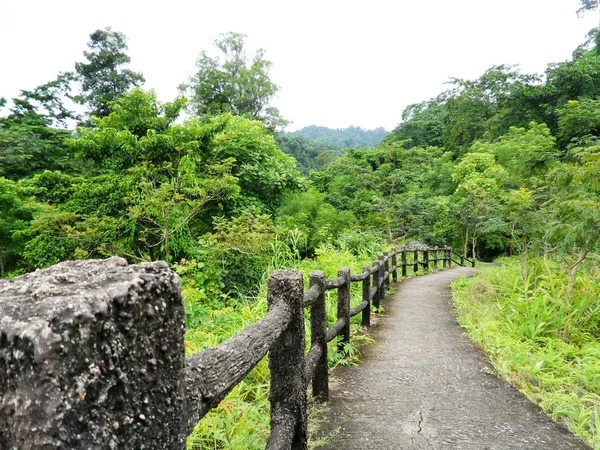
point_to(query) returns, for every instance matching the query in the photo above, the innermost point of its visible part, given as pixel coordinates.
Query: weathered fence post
(449, 256)
(426, 259)
(343, 307)
(462, 260)
(403, 259)
(386, 264)
(382, 279)
(416, 260)
(366, 292)
(318, 332)
(286, 364)
(435, 257)
(394, 265)
(376, 283)
(92, 356)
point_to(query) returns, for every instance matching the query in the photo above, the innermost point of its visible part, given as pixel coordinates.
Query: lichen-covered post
(426, 259)
(286, 364)
(92, 356)
(435, 257)
(343, 307)
(366, 292)
(403, 259)
(416, 260)
(445, 258)
(318, 332)
(394, 265)
(449, 256)
(376, 284)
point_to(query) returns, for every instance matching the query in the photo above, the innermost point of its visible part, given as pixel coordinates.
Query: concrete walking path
(424, 385)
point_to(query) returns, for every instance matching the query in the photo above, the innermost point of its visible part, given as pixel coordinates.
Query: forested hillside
(335, 139)
(314, 147)
(507, 164)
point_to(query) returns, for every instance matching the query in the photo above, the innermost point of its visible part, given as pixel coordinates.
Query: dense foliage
(506, 164)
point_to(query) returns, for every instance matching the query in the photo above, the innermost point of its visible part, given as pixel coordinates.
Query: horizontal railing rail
(462, 259)
(281, 333)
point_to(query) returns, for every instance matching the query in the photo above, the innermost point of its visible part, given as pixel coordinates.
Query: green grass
(543, 342)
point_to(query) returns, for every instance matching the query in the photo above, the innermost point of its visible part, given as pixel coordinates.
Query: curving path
(424, 385)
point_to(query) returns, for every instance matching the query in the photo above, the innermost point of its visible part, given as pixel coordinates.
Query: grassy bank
(544, 342)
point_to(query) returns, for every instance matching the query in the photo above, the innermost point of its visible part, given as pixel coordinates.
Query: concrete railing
(92, 352)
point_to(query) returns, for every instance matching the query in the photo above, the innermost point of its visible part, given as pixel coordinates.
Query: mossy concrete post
(318, 334)
(343, 307)
(403, 259)
(386, 262)
(435, 257)
(366, 296)
(426, 259)
(376, 284)
(416, 260)
(92, 356)
(382, 279)
(286, 364)
(394, 265)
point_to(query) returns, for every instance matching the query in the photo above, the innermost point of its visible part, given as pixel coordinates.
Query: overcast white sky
(338, 63)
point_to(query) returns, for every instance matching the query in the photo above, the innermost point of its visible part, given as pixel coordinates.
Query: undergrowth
(241, 419)
(541, 340)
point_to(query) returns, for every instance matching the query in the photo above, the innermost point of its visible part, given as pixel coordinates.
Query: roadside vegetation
(540, 339)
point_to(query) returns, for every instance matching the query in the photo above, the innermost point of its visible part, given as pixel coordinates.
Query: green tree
(479, 179)
(30, 140)
(575, 205)
(103, 78)
(233, 82)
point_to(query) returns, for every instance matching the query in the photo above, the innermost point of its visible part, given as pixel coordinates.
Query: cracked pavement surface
(424, 385)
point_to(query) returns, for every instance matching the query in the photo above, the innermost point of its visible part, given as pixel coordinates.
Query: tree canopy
(234, 82)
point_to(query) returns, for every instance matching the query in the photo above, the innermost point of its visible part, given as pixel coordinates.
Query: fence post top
(376, 263)
(317, 274)
(385, 253)
(343, 272)
(281, 274)
(366, 268)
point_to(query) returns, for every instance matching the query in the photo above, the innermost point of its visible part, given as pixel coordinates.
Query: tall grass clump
(542, 340)
(241, 419)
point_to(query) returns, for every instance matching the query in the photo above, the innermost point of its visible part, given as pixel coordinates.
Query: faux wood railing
(462, 259)
(281, 333)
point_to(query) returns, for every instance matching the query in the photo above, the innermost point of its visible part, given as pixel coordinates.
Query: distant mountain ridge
(334, 139)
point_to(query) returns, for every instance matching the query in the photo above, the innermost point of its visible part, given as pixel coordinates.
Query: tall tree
(30, 142)
(103, 77)
(233, 82)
